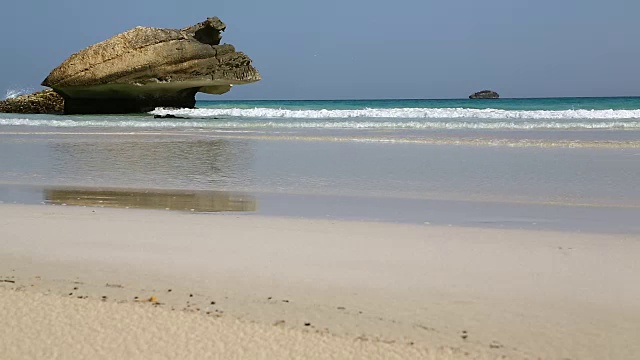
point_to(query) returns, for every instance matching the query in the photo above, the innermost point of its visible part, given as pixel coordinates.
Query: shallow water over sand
(589, 188)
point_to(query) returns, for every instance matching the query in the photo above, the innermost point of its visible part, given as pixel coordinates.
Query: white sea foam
(69, 123)
(404, 113)
(12, 93)
(323, 124)
(378, 118)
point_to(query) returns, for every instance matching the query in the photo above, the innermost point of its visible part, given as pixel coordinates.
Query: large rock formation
(145, 68)
(41, 102)
(484, 94)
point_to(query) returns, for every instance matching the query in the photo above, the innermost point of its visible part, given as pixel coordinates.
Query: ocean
(557, 163)
(504, 114)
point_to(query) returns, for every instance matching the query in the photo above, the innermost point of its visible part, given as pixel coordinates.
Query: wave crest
(404, 113)
(323, 124)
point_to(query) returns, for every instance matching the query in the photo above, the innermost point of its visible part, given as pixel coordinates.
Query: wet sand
(249, 286)
(529, 215)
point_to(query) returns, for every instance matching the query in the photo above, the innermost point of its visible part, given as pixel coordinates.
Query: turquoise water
(549, 122)
(603, 103)
(389, 115)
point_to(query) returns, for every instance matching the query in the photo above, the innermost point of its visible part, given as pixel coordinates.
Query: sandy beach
(75, 282)
(313, 180)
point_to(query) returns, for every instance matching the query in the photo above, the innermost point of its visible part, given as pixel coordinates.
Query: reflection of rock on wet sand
(200, 201)
(152, 162)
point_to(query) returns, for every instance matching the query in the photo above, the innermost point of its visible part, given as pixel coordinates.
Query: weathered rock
(145, 68)
(41, 102)
(484, 94)
(168, 116)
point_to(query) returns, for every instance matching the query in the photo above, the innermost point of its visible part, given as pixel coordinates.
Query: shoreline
(519, 293)
(567, 139)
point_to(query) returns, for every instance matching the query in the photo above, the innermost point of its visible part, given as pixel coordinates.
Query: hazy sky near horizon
(362, 49)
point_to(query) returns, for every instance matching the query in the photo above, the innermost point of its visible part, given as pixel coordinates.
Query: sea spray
(13, 93)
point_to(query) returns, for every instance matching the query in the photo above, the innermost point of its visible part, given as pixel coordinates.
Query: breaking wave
(369, 118)
(12, 93)
(403, 113)
(318, 123)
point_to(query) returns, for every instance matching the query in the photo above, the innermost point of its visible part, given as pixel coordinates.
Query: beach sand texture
(37, 326)
(74, 283)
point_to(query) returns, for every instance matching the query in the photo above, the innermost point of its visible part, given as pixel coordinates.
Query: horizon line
(438, 99)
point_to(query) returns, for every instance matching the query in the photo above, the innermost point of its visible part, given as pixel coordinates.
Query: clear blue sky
(336, 49)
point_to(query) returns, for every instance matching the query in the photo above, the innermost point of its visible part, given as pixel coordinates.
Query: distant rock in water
(168, 116)
(41, 102)
(485, 94)
(145, 68)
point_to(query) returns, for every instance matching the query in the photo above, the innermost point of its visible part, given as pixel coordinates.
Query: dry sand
(37, 326)
(72, 281)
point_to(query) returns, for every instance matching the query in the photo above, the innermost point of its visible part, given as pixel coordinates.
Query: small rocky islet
(485, 94)
(139, 70)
